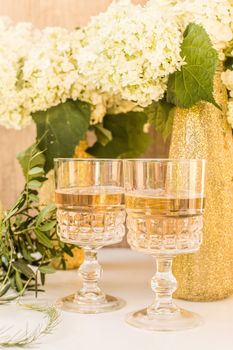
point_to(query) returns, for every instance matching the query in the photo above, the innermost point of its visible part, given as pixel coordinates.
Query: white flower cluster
(120, 61)
(216, 16)
(227, 78)
(50, 70)
(39, 70)
(15, 44)
(129, 53)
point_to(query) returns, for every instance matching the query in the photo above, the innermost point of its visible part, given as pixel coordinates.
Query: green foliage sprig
(25, 338)
(28, 239)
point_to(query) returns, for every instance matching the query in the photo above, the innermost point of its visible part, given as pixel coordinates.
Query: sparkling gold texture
(203, 132)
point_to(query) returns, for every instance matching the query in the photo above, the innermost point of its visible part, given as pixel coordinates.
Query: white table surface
(127, 274)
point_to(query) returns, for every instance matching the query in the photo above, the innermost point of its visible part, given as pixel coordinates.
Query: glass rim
(164, 160)
(87, 160)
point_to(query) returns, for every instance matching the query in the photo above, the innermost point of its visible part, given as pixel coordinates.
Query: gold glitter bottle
(203, 132)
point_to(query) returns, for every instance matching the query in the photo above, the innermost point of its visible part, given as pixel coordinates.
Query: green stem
(25, 230)
(8, 271)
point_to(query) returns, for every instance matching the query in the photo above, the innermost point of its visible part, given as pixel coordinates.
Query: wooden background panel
(66, 13)
(11, 177)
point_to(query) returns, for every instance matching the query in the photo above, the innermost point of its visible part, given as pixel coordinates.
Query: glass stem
(90, 272)
(163, 284)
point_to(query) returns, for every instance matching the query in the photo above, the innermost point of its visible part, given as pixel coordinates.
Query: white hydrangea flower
(216, 16)
(15, 43)
(128, 54)
(49, 70)
(227, 78)
(38, 70)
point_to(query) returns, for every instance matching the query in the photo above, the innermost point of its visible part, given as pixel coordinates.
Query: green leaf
(26, 250)
(47, 269)
(44, 212)
(10, 214)
(68, 250)
(30, 158)
(36, 171)
(43, 239)
(33, 184)
(42, 278)
(194, 82)
(4, 289)
(22, 267)
(160, 116)
(48, 225)
(103, 135)
(26, 254)
(128, 138)
(12, 282)
(63, 127)
(18, 282)
(33, 197)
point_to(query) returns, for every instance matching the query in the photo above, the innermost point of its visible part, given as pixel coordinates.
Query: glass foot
(107, 304)
(179, 321)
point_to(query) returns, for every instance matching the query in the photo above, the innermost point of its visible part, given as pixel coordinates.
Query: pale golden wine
(92, 216)
(88, 197)
(164, 224)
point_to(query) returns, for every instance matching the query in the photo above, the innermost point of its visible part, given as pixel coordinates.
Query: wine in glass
(164, 203)
(90, 211)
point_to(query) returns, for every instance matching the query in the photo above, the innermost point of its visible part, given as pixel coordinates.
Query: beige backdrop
(67, 13)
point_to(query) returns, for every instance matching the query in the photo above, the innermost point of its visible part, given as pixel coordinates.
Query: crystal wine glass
(89, 197)
(164, 203)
